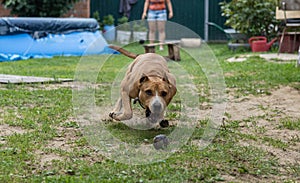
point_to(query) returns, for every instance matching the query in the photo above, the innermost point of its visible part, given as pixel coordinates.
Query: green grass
(290, 124)
(256, 76)
(47, 115)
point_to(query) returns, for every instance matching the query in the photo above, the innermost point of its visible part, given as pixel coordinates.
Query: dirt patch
(254, 179)
(3, 87)
(282, 103)
(285, 156)
(49, 86)
(65, 140)
(63, 146)
(266, 113)
(6, 130)
(47, 159)
(262, 117)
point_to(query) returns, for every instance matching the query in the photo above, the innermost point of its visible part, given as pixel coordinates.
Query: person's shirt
(155, 5)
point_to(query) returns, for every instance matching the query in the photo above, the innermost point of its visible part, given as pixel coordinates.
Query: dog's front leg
(124, 106)
(117, 109)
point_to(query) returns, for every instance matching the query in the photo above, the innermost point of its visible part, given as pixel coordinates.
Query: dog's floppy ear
(171, 93)
(137, 86)
(143, 79)
(170, 79)
(173, 89)
(165, 78)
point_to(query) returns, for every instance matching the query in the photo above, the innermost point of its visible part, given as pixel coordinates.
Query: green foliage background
(39, 8)
(251, 17)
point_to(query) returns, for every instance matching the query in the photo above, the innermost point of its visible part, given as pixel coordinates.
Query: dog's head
(155, 94)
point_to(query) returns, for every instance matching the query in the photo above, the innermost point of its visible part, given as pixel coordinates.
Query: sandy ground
(262, 117)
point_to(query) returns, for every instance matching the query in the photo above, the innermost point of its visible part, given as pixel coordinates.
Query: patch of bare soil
(46, 159)
(262, 117)
(2, 87)
(6, 130)
(63, 143)
(41, 86)
(50, 86)
(282, 103)
(60, 147)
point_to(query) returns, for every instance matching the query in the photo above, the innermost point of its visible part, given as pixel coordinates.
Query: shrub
(108, 20)
(123, 23)
(251, 17)
(96, 16)
(39, 8)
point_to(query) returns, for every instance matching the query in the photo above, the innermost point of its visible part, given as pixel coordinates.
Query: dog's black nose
(157, 106)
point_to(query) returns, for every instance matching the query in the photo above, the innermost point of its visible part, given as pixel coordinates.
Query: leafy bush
(251, 17)
(96, 16)
(108, 20)
(39, 8)
(123, 23)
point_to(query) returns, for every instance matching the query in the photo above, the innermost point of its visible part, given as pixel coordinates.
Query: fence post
(206, 19)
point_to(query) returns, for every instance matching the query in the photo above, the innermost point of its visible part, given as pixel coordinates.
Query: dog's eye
(163, 93)
(148, 92)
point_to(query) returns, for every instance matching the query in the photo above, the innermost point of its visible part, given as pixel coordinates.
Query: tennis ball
(160, 142)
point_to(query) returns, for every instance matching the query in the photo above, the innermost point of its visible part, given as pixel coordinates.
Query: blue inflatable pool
(23, 38)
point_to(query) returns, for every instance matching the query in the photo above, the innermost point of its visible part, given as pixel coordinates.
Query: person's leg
(152, 30)
(161, 32)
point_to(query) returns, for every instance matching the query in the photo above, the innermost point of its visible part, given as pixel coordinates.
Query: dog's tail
(123, 51)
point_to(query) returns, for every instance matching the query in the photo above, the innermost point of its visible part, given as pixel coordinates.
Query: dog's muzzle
(156, 107)
(155, 112)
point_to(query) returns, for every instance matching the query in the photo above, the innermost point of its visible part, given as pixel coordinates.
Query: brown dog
(147, 80)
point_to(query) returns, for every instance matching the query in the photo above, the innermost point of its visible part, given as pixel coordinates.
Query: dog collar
(138, 100)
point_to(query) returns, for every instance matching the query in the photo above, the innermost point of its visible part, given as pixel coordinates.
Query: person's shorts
(157, 15)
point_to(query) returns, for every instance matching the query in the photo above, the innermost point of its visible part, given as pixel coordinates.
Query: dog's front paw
(114, 115)
(164, 123)
(120, 116)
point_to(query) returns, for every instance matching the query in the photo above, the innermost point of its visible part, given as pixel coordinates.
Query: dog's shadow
(135, 136)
